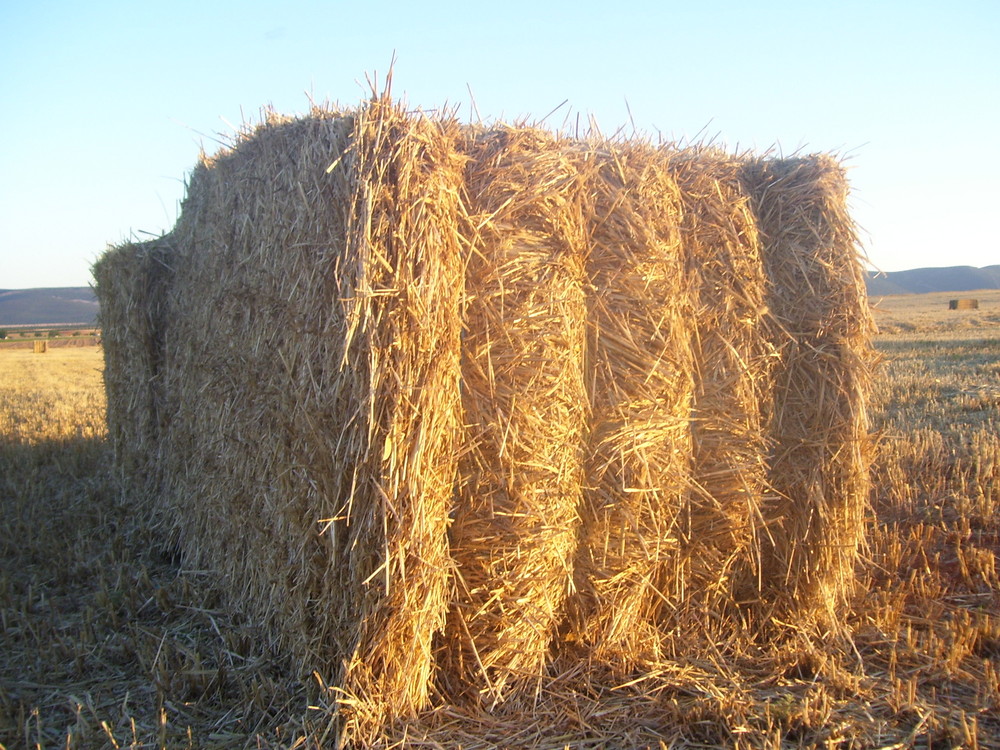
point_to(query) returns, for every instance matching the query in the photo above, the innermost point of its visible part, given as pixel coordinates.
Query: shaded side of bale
(250, 468)
(639, 387)
(132, 280)
(513, 535)
(314, 371)
(314, 374)
(821, 329)
(403, 344)
(722, 519)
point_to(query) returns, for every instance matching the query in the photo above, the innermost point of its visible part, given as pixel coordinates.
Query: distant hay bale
(514, 531)
(963, 304)
(821, 331)
(445, 406)
(41, 347)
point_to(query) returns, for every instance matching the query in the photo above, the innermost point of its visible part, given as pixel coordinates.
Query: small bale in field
(966, 303)
(41, 347)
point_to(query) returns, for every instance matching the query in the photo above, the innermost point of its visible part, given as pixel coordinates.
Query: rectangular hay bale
(131, 282)
(445, 407)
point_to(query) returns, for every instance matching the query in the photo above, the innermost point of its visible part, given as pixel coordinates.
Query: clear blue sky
(106, 104)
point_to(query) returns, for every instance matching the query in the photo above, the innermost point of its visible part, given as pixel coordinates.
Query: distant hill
(922, 280)
(71, 304)
(78, 304)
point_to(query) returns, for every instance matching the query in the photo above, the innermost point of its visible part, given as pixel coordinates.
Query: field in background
(108, 642)
(23, 337)
(922, 315)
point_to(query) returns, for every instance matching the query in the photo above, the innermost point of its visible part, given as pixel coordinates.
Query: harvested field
(109, 642)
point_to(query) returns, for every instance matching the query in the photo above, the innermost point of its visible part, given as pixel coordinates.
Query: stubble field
(108, 641)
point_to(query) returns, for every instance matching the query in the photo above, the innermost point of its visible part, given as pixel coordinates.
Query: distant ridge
(52, 306)
(77, 304)
(923, 280)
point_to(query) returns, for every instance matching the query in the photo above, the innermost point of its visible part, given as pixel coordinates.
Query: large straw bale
(821, 329)
(131, 283)
(639, 385)
(514, 532)
(722, 520)
(452, 410)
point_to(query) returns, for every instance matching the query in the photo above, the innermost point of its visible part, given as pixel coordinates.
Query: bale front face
(251, 462)
(313, 374)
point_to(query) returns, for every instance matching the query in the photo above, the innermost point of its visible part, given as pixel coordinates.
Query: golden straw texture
(514, 531)
(722, 520)
(639, 386)
(405, 329)
(821, 329)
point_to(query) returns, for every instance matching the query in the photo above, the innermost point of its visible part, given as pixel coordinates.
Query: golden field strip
(108, 642)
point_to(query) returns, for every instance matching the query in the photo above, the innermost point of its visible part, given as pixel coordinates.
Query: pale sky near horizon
(106, 104)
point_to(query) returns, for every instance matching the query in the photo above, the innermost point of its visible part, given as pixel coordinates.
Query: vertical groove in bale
(726, 286)
(639, 384)
(821, 330)
(513, 534)
(132, 280)
(404, 328)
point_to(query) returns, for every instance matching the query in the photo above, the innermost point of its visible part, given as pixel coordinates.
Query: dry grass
(108, 642)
